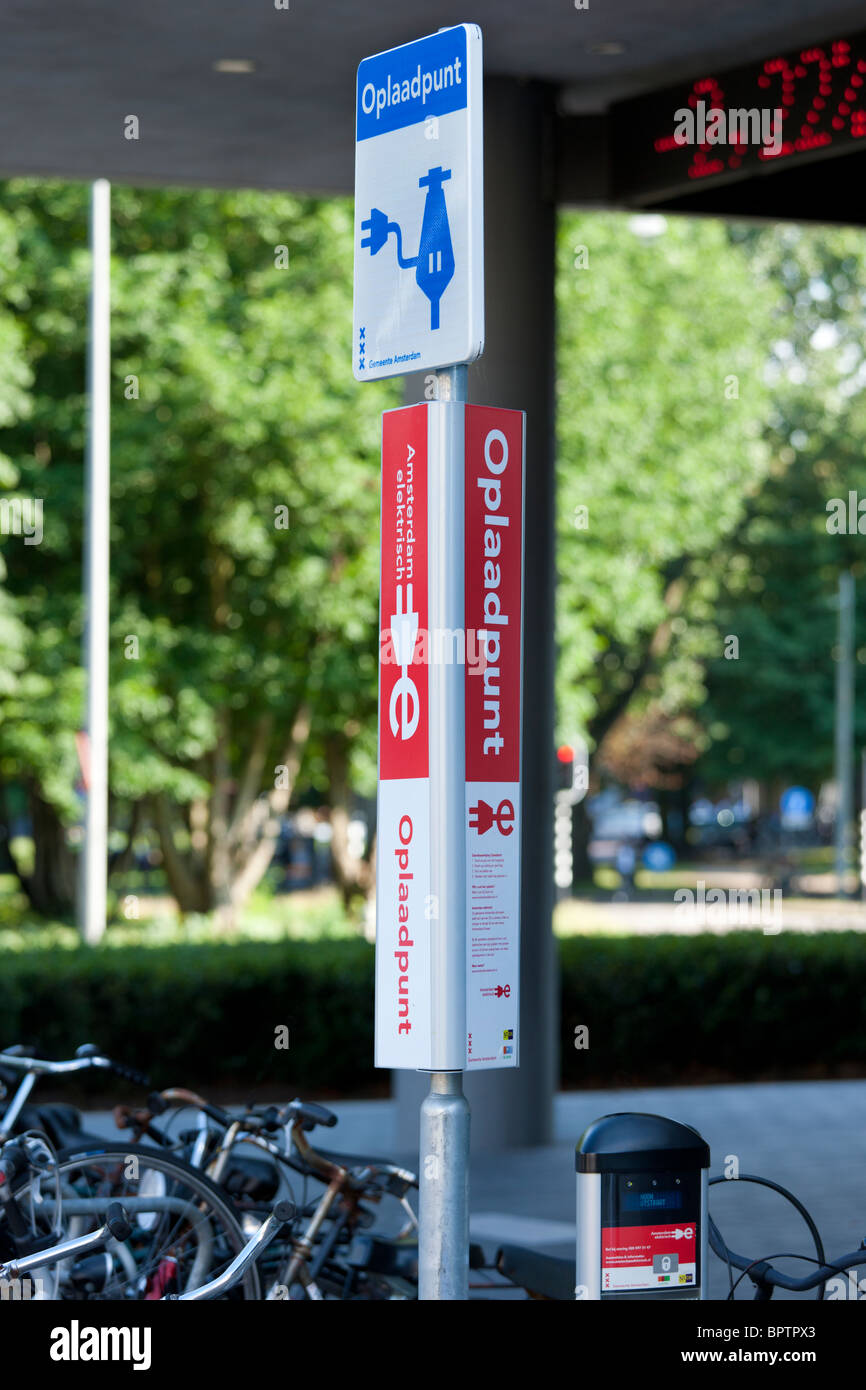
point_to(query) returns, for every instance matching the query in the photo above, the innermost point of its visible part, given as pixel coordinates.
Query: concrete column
(511, 1109)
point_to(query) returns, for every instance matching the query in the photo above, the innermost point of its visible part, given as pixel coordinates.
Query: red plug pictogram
(480, 817)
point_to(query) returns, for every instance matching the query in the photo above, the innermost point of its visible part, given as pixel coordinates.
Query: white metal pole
(96, 566)
(443, 1208)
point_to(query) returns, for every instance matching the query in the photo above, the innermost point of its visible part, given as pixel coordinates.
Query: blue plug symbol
(434, 264)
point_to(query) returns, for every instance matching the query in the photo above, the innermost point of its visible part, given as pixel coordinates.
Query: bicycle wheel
(184, 1231)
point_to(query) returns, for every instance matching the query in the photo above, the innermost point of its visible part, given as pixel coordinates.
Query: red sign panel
(649, 1257)
(493, 520)
(403, 621)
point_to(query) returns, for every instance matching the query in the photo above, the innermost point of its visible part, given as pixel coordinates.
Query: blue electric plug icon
(434, 264)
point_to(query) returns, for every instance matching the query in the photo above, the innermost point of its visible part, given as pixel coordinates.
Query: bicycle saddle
(62, 1124)
(356, 1160)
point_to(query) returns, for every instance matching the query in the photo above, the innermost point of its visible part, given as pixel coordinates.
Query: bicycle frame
(308, 1252)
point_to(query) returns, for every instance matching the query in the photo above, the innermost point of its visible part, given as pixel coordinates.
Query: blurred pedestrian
(625, 865)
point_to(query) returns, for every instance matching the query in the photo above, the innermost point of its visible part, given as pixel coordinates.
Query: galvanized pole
(443, 1236)
(443, 1207)
(844, 731)
(96, 567)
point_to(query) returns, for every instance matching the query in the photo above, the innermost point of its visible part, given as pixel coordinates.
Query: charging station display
(649, 1232)
(641, 1209)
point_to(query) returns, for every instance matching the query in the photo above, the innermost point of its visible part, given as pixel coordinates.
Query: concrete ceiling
(72, 70)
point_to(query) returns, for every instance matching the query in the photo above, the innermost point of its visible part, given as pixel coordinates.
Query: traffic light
(563, 783)
(564, 777)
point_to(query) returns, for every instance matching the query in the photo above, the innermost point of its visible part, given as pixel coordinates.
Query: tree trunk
(241, 828)
(50, 888)
(119, 862)
(191, 890)
(581, 833)
(219, 847)
(254, 838)
(354, 877)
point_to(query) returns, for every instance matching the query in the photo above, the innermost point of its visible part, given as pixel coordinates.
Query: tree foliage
(244, 515)
(770, 712)
(661, 399)
(710, 402)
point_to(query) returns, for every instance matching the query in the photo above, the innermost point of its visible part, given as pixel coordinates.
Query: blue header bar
(406, 85)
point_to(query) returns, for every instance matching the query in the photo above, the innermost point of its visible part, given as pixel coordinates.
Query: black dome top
(632, 1141)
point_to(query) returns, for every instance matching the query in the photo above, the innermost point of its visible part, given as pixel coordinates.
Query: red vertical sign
(494, 563)
(404, 717)
(403, 1035)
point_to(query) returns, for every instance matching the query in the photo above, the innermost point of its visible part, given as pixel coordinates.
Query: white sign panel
(419, 265)
(493, 583)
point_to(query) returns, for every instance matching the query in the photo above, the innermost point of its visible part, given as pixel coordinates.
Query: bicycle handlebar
(283, 1214)
(117, 1226)
(313, 1114)
(762, 1272)
(21, 1060)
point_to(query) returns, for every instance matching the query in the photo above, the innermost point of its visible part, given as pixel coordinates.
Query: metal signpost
(451, 620)
(94, 762)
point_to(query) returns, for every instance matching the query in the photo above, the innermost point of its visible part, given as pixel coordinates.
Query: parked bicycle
(197, 1196)
(336, 1254)
(184, 1230)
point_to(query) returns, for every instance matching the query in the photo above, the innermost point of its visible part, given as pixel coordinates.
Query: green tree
(49, 880)
(661, 399)
(244, 516)
(770, 711)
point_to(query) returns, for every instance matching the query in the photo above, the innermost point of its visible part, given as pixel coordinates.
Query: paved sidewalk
(809, 1136)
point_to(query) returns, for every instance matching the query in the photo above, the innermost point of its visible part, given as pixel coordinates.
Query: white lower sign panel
(494, 593)
(493, 917)
(402, 916)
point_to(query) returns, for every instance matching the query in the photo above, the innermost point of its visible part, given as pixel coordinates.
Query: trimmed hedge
(742, 1005)
(658, 1008)
(204, 1014)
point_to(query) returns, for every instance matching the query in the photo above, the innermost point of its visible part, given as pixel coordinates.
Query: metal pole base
(443, 1206)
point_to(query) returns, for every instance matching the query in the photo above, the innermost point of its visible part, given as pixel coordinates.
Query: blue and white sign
(659, 856)
(797, 805)
(419, 227)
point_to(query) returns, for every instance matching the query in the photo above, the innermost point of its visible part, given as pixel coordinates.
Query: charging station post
(451, 618)
(642, 1209)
